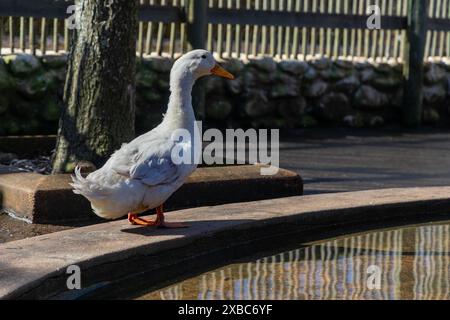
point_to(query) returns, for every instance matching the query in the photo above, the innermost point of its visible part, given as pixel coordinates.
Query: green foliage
(308, 121)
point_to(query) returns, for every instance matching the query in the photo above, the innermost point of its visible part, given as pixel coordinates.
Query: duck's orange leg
(161, 223)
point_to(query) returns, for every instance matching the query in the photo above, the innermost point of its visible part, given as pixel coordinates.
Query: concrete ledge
(115, 252)
(49, 198)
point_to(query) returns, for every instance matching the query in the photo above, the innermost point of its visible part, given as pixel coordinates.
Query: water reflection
(414, 264)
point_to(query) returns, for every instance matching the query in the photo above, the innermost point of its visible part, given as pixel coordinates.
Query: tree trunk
(99, 109)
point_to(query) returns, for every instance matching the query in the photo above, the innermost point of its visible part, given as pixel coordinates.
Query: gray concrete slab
(339, 160)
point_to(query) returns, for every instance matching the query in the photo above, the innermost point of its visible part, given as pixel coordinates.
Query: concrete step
(49, 198)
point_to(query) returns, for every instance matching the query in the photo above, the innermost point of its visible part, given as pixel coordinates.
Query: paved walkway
(333, 160)
(345, 160)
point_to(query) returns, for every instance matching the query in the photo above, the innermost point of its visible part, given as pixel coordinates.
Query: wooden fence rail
(283, 29)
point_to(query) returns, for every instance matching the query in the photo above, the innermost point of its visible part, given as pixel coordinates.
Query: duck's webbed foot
(161, 223)
(135, 220)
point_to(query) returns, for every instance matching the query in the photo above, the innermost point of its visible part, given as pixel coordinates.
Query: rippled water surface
(404, 263)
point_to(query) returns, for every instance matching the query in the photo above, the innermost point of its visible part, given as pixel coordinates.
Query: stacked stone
(265, 94)
(30, 94)
(436, 93)
(152, 92)
(294, 93)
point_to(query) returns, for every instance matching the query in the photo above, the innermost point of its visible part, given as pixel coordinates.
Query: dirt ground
(13, 229)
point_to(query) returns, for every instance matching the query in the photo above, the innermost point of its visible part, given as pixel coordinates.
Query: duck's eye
(204, 56)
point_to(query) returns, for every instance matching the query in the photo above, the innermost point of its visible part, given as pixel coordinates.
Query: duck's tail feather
(86, 187)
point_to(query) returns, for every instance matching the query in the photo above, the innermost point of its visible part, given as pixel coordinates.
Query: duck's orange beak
(221, 72)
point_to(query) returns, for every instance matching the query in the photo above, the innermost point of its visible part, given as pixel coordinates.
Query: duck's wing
(155, 170)
(152, 167)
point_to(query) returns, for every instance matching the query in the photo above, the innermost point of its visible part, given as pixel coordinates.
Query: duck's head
(198, 63)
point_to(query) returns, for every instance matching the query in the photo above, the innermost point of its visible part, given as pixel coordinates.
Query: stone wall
(287, 94)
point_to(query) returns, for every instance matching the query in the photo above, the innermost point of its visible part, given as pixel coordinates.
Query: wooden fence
(296, 29)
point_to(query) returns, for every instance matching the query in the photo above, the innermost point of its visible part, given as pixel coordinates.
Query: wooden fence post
(413, 64)
(196, 36)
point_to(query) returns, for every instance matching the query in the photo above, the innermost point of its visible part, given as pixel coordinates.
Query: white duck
(142, 175)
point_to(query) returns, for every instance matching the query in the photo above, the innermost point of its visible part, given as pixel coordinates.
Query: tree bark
(100, 86)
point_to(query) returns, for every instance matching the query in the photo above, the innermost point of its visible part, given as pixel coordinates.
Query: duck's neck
(180, 113)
